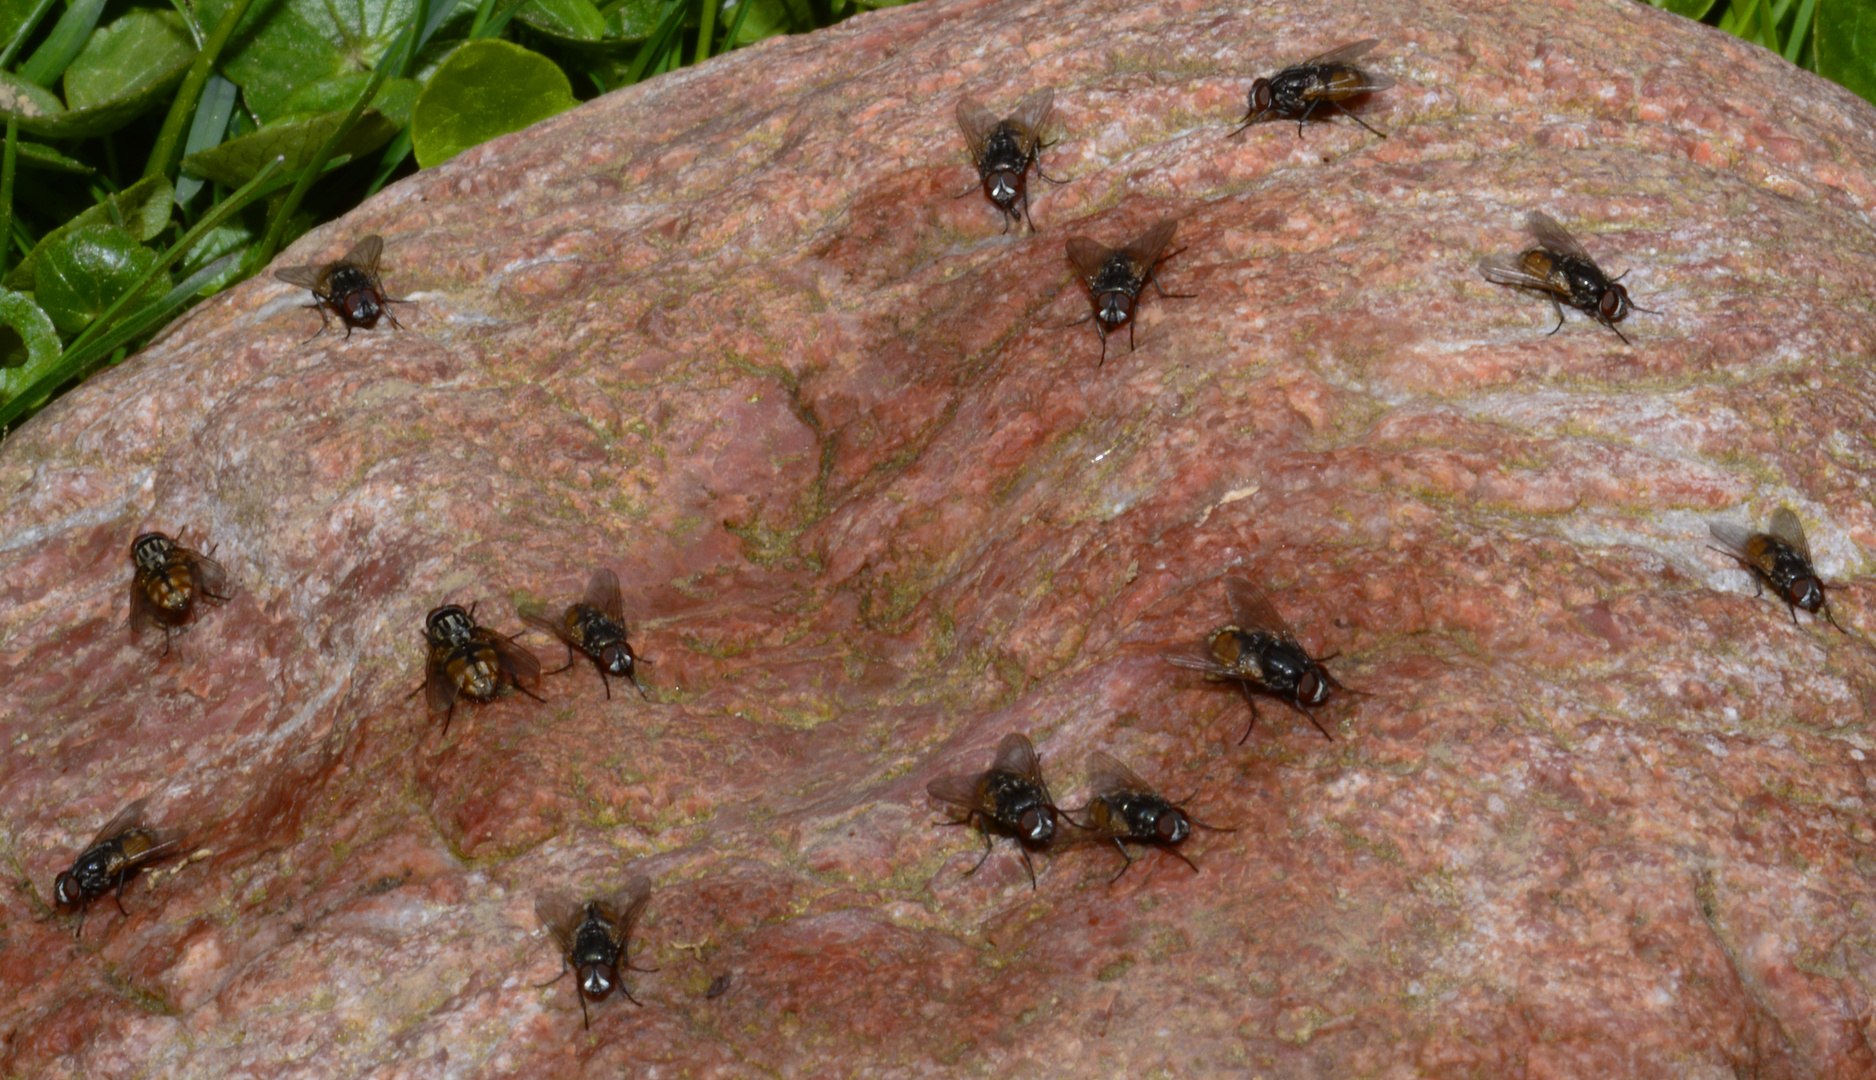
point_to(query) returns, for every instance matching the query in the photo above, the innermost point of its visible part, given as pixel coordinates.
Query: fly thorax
(152, 552)
(449, 625)
(347, 279)
(1284, 664)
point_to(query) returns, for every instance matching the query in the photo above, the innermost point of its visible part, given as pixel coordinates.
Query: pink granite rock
(1603, 812)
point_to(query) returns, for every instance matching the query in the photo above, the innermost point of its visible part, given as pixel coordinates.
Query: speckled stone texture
(1603, 812)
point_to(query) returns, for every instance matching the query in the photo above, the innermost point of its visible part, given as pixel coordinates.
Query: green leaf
(1692, 9)
(87, 271)
(67, 38)
(28, 101)
(285, 45)
(41, 156)
(142, 49)
(28, 343)
(236, 161)
(1846, 45)
(632, 20)
(395, 99)
(143, 208)
(486, 88)
(569, 20)
(17, 20)
(767, 18)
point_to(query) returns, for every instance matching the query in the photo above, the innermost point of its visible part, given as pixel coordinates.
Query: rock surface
(1601, 812)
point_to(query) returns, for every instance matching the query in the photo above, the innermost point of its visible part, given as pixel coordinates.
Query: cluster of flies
(170, 586)
(1257, 650)
(1005, 151)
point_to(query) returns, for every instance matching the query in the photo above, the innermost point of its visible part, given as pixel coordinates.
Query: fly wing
(1032, 114)
(561, 915)
(1553, 237)
(1107, 776)
(977, 122)
(1251, 608)
(1509, 270)
(142, 611)
(130, 817)
(306, 277)
(625, 907)
(1146, 250)
(1786, 526)
(365, 254)
(958, 789)
(440, 687)
(1194, 658)
(1732, 537)
(554, 627)
(211, 578)
(521, 664)
(1018, 755)
(1342, 54)
(603, 593)
(1087, 256)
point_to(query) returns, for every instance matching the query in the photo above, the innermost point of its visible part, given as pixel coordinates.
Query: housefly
(592, 937)
(1005, 150)
(1260, 652)
(1295, 93)
(1010, 798)
(1115, 277)
(596, 627)
(168, 581)
(472, 661)
(1559, 268)
(114, 856)
(1779, 557)
(1127, 809)
(348, 287)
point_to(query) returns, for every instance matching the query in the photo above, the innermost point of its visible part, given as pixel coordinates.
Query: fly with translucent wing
(348, 287)
(1779, 557)
(1259, 652)
(471, 661)
(1005, 150)
(596, 626)
(1559, 268)
(122, 847)
(592, 937)
(1298, 92)
(1010, 799)
(168, 581)
(1127, 809)
(1116, 277)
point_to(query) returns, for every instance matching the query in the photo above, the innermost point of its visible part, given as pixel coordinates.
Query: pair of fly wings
(1343, 54)
(602, 594)
(1029, 117)
(1550, 236)
(1090, 257)
(1784, 527)
(317, 276)
(209, 577)
(562, 915)
(1015, 754)
(1251, 612)
(129, 818)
